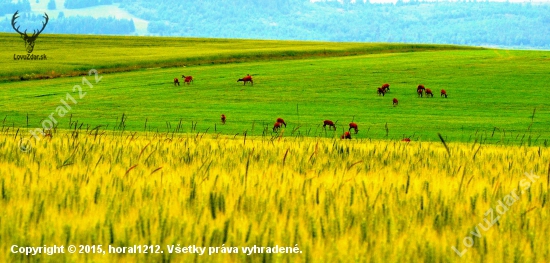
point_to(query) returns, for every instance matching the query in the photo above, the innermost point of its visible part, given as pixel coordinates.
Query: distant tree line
(466, 22)
(74, 24)
(90, 25)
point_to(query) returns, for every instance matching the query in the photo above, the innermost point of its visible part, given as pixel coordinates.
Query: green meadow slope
(495, 96)
(70, 55)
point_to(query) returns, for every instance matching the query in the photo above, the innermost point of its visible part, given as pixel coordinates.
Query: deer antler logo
(29, 40)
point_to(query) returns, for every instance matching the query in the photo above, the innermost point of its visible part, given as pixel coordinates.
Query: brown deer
(329, 123)
(395, 102)
(353, 125)
(346, 135)
(29, 40)
(381, 91)
(223, 118)
(420, 90)
(386, 87)
(443, 93)
(246, 79)
(187, 79)
(429, 93)
(176, 82)
(277, 126)
(281, 121)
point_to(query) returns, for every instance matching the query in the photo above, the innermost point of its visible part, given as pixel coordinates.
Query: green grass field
(495, 96)
(70, 55)
(135, 160)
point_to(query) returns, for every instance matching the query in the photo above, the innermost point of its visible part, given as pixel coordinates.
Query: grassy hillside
(76, 54)
(495, 96)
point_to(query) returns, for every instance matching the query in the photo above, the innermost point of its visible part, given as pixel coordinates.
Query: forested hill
(488, 23)
(524, 25)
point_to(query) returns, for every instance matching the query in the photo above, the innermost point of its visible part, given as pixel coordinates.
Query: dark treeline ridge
(486, 23)
(90, 25)
(465, 23)
(76, 25)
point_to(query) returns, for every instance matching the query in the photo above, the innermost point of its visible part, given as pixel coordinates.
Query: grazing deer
(420, 90)
(386, 87)
(29, 40)
(353, 125)
(406, 140)
(346, 135)
(176, 82)
(187, 79)
(223, 118)
(429, 93)
(329, 123)
(443, 93)
(281, 121)
(395, 102)
(246, 79)
(381, 91)
(276, 126)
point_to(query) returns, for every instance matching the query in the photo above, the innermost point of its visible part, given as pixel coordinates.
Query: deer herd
(186, 79)
(280, 122)
(189, 79)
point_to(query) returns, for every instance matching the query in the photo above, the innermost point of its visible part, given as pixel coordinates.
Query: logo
(29, 40)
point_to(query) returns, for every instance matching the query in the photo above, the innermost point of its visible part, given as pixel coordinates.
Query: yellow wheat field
(332, 200)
